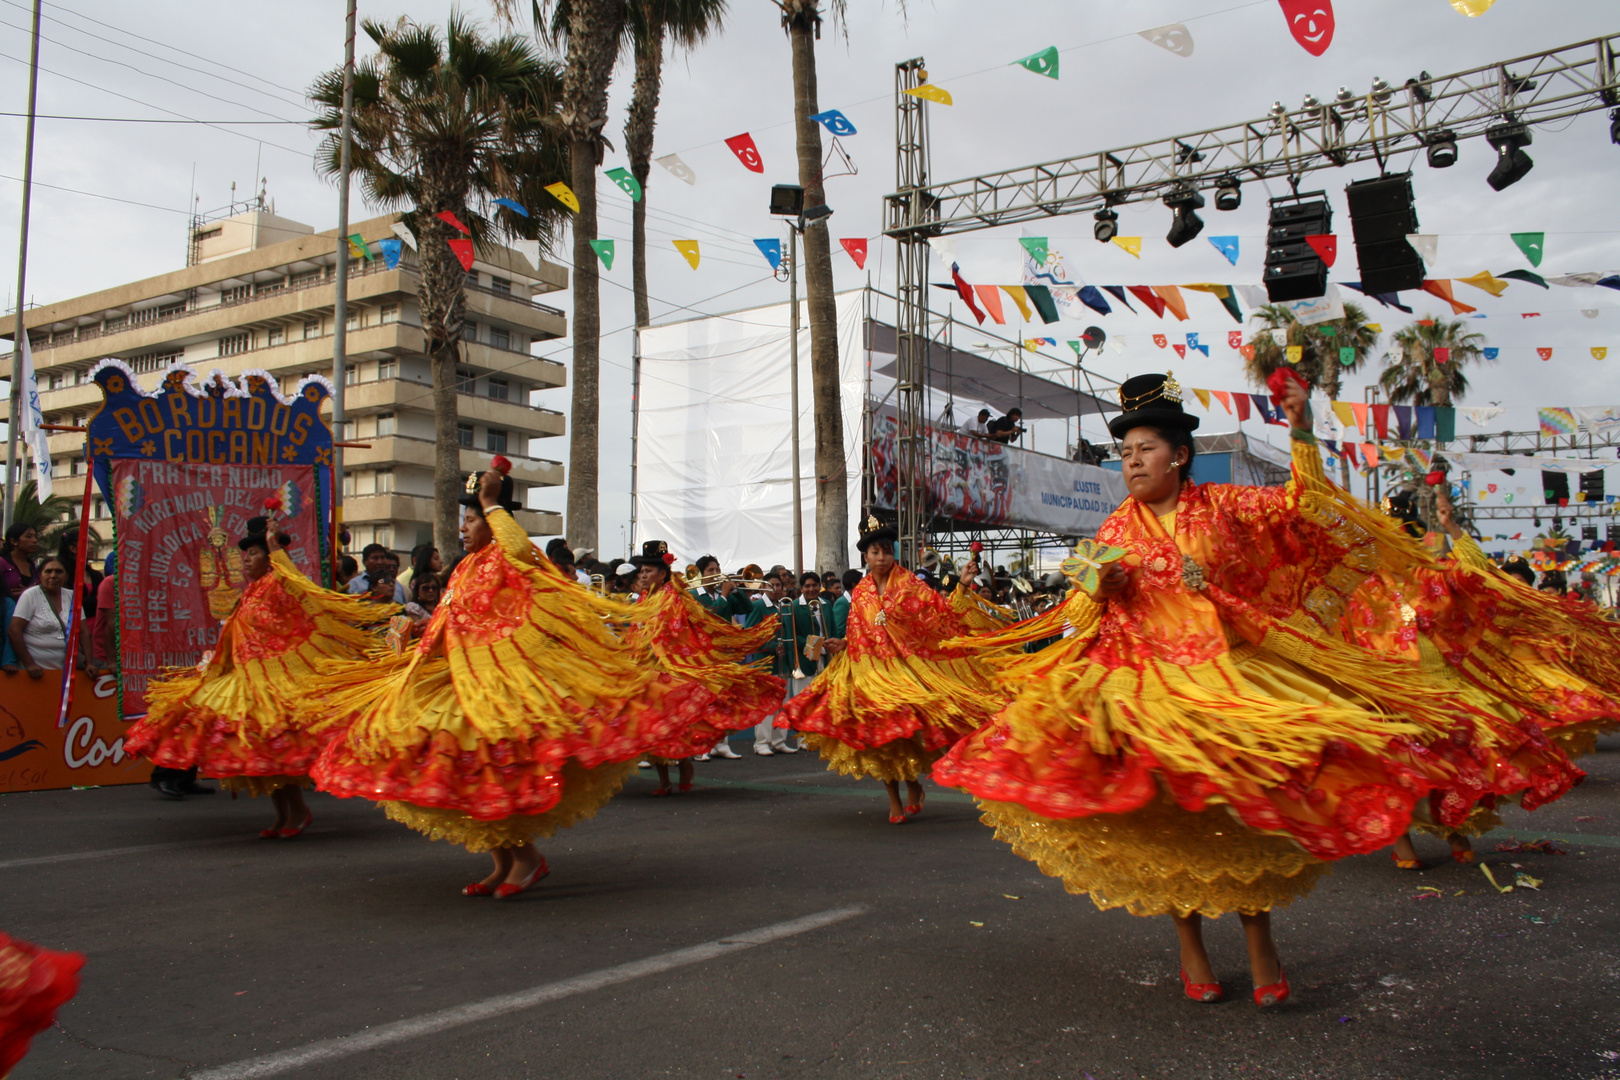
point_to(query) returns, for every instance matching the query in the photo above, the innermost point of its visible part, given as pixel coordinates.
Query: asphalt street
(773, 924)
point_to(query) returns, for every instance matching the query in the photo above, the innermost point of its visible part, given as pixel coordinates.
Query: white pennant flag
(1172, 37)
(680, 169)
(1427, 245)
(944, 247)
(405, 234)
(1481, 415)
(529, 249)
(32, 430)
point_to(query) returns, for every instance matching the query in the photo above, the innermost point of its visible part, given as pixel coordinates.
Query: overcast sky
(219, 61)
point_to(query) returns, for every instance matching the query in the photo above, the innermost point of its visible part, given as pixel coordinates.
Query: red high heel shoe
(897, 819)
(913, 809)
(1464, 857)
(1406, 864)
(269, 834)
(660, 792)
(1275, 994)
(506, 890)
(477, 888)
(289, 832)
(684, 788)
(1203, 993)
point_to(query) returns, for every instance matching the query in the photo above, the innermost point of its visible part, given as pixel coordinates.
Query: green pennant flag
(1530, 243)
(624, 179)
(1347, 355)
(1330, 331)
(1044, 62)
(604, 251)
(1445, 424)
(359, 248)
(1078, 347)
(1526, 275)
(1230, 303)
(1041, 297)
(1036, 246)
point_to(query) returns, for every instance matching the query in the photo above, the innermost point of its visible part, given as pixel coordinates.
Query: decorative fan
(1084, 568)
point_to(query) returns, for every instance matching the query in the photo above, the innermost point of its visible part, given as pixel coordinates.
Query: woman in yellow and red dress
(895, 697)
(1204, 740)
(234, 716)
(519, 711)
(34, 983)
(682, 638)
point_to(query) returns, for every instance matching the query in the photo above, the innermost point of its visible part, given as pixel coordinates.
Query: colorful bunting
(1132, 244)
(1441, 287)
(1556, 421)
(463, 249)
(1203, 397)
(1224, 398)
(1311, 23)
(990, 297)
(1234, 339)
(772, 250)
(1228, 246)
(1526, 275)
(392, 248)
(626, 180)
(513, 205)
(1491, 353)
(405, 235)
(1279, 337)
(1325, 245)
(1172, 37)
(747, 153)
(965, 291)
(1041, 297)
(1181, 350)
(1160, 340)
(1148, 297)
(929, 92)
(1093, 299)
(1442, 354)
(1118, 292)
(450, 219)
(1600, 352)
(1294, 353)
(1380, 415)
(1531, 243)
(1172, 300)
(689, 251)
(835, 122)
(1472, 8)
(1545, 354)
(1192, 343)
(564, 194)
(604, 251)
(1044, 62)
(1484, 280)
(1020, 298)
(358, 248)
(856, 246)
(1036, 246)
(1347, 355)
(1427, 245)
(1242, 403)
(1247, 352)
(677, 168)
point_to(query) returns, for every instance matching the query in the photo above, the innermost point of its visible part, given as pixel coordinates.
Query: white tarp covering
(715, 467)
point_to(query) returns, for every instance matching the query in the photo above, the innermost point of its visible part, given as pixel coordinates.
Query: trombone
(786, 634)
(696, 580)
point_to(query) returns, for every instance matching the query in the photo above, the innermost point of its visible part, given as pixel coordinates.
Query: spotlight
(1518, 84)
(1442, 149)
(1614, 127)
(787, 200)
(1228, 195)
(1381, 92)
(1344, 96)
(816, 213)
(1277, 112)
(1512, 163)
(1185, 153)
(1310, 103)
(1186, 224)
(1107, 226)
(1420, 87)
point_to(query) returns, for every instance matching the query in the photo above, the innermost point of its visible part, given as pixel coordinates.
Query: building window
(464, 434)
(469, 331)
(312, 330)
(472, 278)
(384, 536)
(236, 294)
(304, 280)
(348, 485)
(390, 313)
(385, 424)
(154, 361)
(234, 343)
(207, 234)
(500, 337)
(354, 320)
(98, 509)
(275, 335)
(501, 285)
(75, 465)
(466, 381)
(56, 380)
(387, 369)
(498, 389)
(495, 441)
(351, 374)
(385, 481)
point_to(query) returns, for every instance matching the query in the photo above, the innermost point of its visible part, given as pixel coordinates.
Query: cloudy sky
(228, 63)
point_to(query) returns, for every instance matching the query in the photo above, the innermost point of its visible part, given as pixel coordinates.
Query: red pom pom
(975, 547)
(1278, 380)
(272, 502)
(669, 558)
(501, 465)
(1436, 478)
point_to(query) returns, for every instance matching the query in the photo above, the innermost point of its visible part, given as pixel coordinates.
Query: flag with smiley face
(1311, 23)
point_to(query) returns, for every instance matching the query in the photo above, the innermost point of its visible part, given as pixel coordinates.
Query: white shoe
(643, 764)
(786, 749)
(764, 751)
(724, 751)
(701, 757)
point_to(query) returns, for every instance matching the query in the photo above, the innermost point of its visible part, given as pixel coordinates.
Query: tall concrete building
(257, 293)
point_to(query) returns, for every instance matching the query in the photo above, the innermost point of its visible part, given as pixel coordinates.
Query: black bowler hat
(653, 553)
(506, 499)
(1151, 401)
(876, 532)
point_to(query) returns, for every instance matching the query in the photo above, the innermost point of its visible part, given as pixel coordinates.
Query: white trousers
(766, 733)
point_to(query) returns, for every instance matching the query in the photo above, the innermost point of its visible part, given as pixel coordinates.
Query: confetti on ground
(1525, 881)
(1539, 847)
(1539, 921)
(1588, 817)
(239, 993)
(972, 923)
(1487, 872)
(1010, 896)
(1426, 892)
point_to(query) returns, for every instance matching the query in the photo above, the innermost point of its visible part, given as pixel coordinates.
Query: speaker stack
(1381, 216)
(1293, 270)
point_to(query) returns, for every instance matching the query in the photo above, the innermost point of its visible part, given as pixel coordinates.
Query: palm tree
(1411, 372)
(802, 20)
(448, 123)
(49, 519)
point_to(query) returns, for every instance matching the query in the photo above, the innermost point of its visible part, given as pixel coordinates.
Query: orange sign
(36, 755)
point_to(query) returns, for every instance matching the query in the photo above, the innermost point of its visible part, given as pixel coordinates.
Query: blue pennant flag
(1228, 246)
(1192, 343)
(772, 250)
(515, 207)
(835, 122)
(1093, 299)
(392, 248)
(1492, 354)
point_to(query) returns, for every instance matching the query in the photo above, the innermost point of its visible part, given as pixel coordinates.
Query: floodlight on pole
(1442, 149)
(1107, 226)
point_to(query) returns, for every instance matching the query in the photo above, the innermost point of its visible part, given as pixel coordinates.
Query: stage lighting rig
(1107, 226)
(1420, 87)
(1442, 149)
(1185, 153)
(1512, 163)
(1228, 193)
(1186, 224)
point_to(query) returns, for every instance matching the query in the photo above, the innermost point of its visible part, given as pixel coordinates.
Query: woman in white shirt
(39, 625)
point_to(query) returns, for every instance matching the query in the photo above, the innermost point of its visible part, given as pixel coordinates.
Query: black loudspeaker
(1381, 216)
(1293, 271)
(1592, 485)
(1555, 486)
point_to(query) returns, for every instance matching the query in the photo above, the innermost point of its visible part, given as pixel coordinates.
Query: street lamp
(787, 201)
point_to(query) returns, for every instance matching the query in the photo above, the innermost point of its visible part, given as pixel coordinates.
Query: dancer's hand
(1114, 580)
(489, 489)
(1295, 403)
(1444, 513)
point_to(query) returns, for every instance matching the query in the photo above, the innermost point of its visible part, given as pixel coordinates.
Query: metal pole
(340, 306)
(13, 418)
(635, 428)
(793, 369)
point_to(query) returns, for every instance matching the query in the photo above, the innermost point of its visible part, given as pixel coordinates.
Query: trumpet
(700, 581)
(599, 584)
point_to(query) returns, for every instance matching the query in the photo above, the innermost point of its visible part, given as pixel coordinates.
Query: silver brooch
(1192, 575)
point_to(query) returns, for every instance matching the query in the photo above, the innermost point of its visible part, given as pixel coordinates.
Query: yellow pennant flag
(1346, 415)
(564, 194)
(1132, 244)
(1600, 352)
(929, 92)
(1203, 397)
(1472, 8)
(1294, 352)
(1485, 280)
(1376, 328)
(1020, 298)
(1219, 291)
(688, 248)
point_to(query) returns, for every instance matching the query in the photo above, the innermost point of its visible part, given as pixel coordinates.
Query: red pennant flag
(1225, 399)
(1441, 354)
(965, 291)
(1311, 23)
(464, 252)
(1181, 351)
(1545, 354)
(1326, 246)
(1148, 297)
(857, 251)
(1381, 420)
(454, 222)
(747, 153)
(1441, 287)
(1349, 452)
(1160, 340)
(1234, 338)
(1529, 314)
(1247, 351)
(1242, 402)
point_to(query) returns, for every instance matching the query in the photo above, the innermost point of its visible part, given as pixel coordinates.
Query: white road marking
(107, 853)
(401, 1030)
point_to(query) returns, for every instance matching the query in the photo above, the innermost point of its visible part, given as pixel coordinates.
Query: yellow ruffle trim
(902, 759)
(255, 786)
(1161, 859)
(585, 792)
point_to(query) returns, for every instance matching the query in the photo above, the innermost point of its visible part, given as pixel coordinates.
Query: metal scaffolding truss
(1537, 88)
